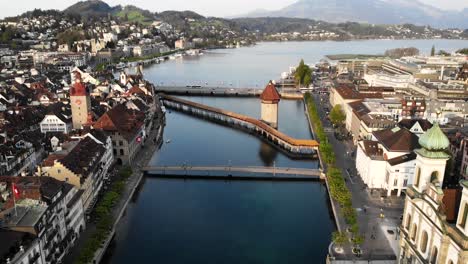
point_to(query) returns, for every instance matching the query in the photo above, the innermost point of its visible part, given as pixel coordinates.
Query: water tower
(270, 99)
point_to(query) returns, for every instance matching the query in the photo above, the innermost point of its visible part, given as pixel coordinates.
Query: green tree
(463, 51)
(303, 75)
(433, 50)
(337, 116)
(339, 238)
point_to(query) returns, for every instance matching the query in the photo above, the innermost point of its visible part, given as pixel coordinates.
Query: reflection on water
(267, 154)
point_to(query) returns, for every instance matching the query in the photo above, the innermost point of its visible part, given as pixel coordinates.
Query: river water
(200, 221)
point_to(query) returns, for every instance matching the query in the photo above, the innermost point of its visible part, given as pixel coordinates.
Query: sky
(220, 8)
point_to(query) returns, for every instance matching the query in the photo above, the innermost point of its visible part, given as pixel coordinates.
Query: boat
(168, 141)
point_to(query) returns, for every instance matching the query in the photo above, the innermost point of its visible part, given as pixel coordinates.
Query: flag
(15, 191)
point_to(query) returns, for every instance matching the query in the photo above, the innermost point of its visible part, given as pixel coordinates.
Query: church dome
(434, 139)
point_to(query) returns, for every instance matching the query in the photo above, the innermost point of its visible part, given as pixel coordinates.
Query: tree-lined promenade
(337, 186)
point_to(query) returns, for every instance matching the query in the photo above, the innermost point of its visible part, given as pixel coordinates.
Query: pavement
(379, 243)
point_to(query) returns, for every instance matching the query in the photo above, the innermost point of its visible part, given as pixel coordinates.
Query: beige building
(85, 165)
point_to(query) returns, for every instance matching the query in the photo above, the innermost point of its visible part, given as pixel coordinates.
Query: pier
(296, 147)
(234, 173)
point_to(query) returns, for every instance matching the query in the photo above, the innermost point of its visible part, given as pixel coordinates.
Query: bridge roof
(256, 122)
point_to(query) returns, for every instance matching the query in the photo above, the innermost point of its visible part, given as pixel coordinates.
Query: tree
(303, 74)
(463, 51)
(339, 238)
(433, 50)
(337, 116)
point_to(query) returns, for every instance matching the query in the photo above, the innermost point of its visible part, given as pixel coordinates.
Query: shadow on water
(267, 154)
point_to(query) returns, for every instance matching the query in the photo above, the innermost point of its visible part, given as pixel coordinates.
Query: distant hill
(370, 11)
(90, 8)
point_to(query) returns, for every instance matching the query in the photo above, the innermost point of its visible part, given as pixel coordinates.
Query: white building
(434, 227)
(56, 123)
(387, 162)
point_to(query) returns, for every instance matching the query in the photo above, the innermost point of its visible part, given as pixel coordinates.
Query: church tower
(80, 102)
(270, 99)
(431, 159)
(430, 215)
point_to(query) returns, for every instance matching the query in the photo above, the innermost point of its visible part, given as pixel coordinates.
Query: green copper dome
(434, 139)
(434, 143)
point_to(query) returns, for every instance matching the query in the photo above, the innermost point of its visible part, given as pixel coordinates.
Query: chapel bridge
(299, 148)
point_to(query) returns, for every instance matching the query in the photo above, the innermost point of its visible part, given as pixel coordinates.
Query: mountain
(90, 8)
(370, 11)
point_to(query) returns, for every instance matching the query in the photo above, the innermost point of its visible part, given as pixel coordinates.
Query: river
(200, 221)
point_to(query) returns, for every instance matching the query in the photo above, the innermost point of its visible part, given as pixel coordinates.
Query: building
(126, 127)
(183, 44)
(434, 227)
(269, 106)
(48, 210)
(386, 163)
(84, 164)
(19, 247)
(80, 102)
(56, 123)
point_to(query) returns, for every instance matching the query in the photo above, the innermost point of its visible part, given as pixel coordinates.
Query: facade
(49, 211)
(127, 130)
(434, 227)
(56, 123)
(387, 162)
(80, 103)
(85, 166)
(269, 106)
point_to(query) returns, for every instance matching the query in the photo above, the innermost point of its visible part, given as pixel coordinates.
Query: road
(378, 240)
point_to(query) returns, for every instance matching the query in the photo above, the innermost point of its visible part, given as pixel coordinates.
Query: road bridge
(297, 147)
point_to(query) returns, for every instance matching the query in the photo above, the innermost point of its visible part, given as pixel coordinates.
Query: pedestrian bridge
(297, 147)
(233, 172)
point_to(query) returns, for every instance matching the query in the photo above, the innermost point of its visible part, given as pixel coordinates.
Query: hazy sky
(204, 7)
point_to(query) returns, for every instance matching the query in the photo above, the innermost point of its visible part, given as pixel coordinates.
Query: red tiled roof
(397, 139)
(270, 94)
(121, 119)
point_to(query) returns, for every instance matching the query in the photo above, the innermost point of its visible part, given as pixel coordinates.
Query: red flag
(15, 190)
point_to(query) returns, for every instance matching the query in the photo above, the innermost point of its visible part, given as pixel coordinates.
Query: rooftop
(397, 139)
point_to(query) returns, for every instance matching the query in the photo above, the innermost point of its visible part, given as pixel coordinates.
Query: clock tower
(80, 102)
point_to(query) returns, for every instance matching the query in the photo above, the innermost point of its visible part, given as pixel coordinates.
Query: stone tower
(80, 102)
(270, 99)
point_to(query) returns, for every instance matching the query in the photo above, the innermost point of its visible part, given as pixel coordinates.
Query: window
(59, 171)
(408, 222)
(434, 254)
(120, 143)
(423, 244)
(434, 176)
(462, 223)
(418, 175)
(405, 183)
(395, 182)
(121, 152)
(414, 231)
